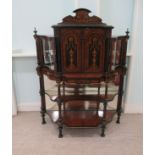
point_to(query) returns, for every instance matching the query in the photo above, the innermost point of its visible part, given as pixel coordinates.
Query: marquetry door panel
(71, 50)
(94, 50)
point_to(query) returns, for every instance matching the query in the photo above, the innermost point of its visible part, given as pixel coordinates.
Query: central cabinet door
(94, 50)
(82, 50)
(71, 50)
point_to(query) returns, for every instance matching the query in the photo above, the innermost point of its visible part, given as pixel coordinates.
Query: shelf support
(60, 124)
(103, 126)
(119, 101)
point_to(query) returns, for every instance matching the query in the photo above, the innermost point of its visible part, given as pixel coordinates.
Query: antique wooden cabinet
(87, 61)
(80, 41)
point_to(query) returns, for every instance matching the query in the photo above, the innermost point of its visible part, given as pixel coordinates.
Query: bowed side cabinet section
(85, 61)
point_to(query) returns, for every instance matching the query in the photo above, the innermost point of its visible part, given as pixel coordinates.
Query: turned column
(40, 61)
(59, 101)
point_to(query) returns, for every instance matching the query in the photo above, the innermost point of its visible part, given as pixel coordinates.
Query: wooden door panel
(94, 50)
(71, 50)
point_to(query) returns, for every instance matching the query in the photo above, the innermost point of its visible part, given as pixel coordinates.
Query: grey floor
(32, 138)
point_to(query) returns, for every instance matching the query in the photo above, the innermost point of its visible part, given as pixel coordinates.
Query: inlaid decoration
(71, 50)
(94, 53)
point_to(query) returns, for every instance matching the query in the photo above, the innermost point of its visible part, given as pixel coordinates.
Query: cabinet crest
(82, 17)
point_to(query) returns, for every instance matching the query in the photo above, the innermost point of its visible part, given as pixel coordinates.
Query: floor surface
(30, 137)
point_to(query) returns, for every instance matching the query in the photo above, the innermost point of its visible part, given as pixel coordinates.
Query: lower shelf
(81, 118)
(84, 119)
(81, 114)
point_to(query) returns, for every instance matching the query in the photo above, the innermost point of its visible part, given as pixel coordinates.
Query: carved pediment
(82, 17)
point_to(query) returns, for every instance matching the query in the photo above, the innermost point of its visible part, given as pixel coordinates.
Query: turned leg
(98, 101)
(118, 116)
(60, 132)
(43, 117)
(119, 102)
(119, 108)
(60, 124)
(43, 103)
(103, 130)
(103, 126)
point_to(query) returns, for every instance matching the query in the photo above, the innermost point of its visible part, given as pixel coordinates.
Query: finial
(35, 31)
(127, 32)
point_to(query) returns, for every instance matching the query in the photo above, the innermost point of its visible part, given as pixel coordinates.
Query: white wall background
(28, 14)
(134, 98)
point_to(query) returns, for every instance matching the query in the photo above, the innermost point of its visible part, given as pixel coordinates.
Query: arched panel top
(81, 9)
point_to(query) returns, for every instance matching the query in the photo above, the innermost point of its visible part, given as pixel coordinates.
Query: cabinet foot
(118, 117)
(60, 136)
(60, 132)
(118, 121)
(43, 117)
(102, 134)
(43, 121)
(103, 131)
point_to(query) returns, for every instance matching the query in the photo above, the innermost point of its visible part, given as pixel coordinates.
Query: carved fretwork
(71, 50)
(94, 54)
(82, 17)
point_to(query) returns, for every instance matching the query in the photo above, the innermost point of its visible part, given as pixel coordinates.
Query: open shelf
(81, 114)
(82, 106)
(81, 118)
(85, 118)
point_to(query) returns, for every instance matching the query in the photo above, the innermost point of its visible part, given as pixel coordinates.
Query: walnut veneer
(84, 54)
